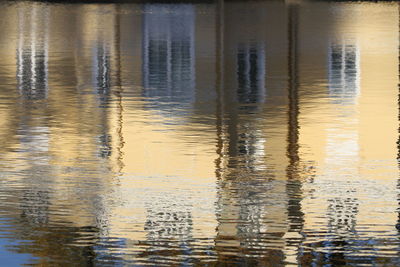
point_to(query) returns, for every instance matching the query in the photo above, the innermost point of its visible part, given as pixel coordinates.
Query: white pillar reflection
(344, 71)
(32, 52)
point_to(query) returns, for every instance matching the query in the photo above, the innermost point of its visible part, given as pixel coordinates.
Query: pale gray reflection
(34, 202)
(168, 53)
(101, 70)
(342, 216)
(344, 71)
(32, 51)
(344, 76)
(169, 234)
(33, 131)
(102, 83)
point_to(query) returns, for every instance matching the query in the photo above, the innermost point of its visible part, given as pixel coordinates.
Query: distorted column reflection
(119, 85)
(344, 80)
(169, 230)
(32, 52)
(343, 145)
(398, 130)
(251, 73)
(168, 70)
(168, 53)
(101, 70)
(58, 164)
(32, 219)
(219, 86)
(102, 83)
(251, 197)
(342, 221)
(251, 90)
(294, 182)
(103, 78)
(32, 82)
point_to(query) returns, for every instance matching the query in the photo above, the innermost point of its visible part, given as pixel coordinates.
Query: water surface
(223, 134)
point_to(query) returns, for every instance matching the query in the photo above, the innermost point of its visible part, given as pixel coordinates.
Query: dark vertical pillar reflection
(295, 214)
(219, 83)
(398, 140)
(221, 104)
(293, 113)
(119, 86)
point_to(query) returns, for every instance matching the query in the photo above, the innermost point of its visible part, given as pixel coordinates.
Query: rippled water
(220, 133)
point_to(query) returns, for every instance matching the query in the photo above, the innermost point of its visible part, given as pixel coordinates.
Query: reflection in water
(248, 133)
(251, 73)
(343, 146)
(163, 226)
(168, 53)
(102, 71)
(344, 66)
(32, 52)
(294, 183)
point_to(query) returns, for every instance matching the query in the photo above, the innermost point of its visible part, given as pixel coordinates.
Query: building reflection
(342, 138)
(32, 81)
(293, 170)
(101, 73)
(50, 159)
(251, 225)
(344, 79)
(342, 211)
(168, 53)
(239, 77)
(32, 52)
(250, 73)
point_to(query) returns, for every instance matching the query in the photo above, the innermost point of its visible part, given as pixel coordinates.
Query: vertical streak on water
(398, 140)
(119, 91)
(219, 85)
(32, 52)
(20, 55)
(34, 42)
(293, 113)
(220, 107)
(295, 215)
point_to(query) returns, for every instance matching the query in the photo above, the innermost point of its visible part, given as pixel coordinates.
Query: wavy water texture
(219, 134)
